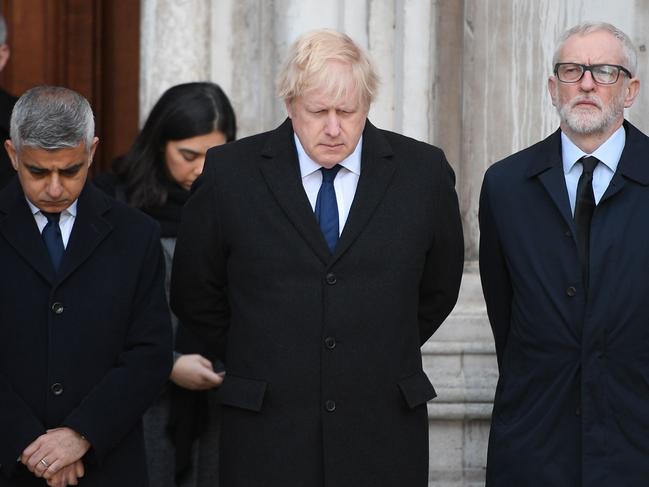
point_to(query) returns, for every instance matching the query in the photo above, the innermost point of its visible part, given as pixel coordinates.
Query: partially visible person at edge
(7, 102)
(564, 254)
(155, 176)
(316, 259)
(85, 335)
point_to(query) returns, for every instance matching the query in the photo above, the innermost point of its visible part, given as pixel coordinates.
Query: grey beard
(586, 124)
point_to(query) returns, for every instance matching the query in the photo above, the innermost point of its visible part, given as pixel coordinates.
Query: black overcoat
(89, 347)
(324, 383)
(572, 402)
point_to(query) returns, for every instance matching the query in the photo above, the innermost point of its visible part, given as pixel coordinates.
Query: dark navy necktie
(326, 208)
(53, 239)
(584, 208)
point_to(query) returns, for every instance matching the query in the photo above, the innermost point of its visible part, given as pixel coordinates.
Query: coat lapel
(18, 226)
(632, 163)
(377, 169)
(89, 230)
(549, 170)
(281, 170)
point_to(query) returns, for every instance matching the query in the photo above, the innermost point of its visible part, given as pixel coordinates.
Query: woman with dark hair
(181, 428)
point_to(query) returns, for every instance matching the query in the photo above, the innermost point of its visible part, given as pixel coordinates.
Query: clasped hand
(56, 456)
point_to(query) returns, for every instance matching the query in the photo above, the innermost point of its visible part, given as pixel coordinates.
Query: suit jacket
(324, 383)
(88, 347)
(572, 399)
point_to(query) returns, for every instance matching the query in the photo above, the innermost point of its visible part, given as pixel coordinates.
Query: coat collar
(633, 164)
(17, 225)
(281, 171)
(630, 166)
(547, 166)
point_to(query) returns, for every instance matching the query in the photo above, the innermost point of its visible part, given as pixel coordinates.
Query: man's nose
(333, 124)
(54, 187)
(587, 83)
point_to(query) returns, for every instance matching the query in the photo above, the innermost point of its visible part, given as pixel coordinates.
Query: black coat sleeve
(117, 402)
(496, 282)
(198, 279)
(440, 283)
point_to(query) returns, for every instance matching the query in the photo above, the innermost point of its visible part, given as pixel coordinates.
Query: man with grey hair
(7, 102)
(563, 261)
(85, 338)
(315, 260)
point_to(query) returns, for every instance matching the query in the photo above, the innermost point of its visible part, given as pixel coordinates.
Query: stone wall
(469, 76)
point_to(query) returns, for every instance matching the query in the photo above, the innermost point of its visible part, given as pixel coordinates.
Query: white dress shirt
(608, 153)
(345, 183)
(66, 221)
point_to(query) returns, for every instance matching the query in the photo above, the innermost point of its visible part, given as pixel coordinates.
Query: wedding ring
(44, 462)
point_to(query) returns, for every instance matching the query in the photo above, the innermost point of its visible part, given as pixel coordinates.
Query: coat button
(331, 278)
(568, 233)
(330, 343)
(57, 308)
(57, 389)
(330, 406)
(577, 411)
(571, 291)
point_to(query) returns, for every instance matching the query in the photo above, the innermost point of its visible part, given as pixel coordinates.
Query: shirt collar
(309, 166)
(71, 210)
(608, 153)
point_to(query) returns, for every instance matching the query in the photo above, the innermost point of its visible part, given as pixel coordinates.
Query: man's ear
(5, 53)
(289, 108)
(11, 150)
(632, 90)
(552, 88)
(93, 148)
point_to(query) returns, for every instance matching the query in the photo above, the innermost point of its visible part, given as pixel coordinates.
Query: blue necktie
(53, 239)
(326, 208)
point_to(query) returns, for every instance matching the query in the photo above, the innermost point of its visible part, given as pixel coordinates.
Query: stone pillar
(174, 46)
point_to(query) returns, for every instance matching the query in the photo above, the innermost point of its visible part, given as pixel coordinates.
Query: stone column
(174, 46)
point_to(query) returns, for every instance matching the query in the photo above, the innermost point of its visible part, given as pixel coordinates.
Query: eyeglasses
(603, 74)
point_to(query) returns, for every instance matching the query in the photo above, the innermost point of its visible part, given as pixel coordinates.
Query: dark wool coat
(89, 347)
(324, 383)
(572, 401)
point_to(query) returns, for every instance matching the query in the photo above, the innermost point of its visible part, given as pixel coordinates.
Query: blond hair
(306, 65)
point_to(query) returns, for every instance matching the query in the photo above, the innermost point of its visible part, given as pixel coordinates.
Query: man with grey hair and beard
(85, 337)
(563, 258)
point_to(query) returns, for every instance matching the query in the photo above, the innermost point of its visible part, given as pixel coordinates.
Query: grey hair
(628, 48)
(51, 118)
(3, 30)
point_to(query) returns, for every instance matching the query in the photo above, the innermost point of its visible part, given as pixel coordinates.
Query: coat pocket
(242, 393)
(417, 389)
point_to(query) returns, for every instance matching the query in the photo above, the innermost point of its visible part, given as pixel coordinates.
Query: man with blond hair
(563, 259)
(315, 260)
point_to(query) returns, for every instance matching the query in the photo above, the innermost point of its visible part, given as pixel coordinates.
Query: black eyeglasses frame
(585, 67)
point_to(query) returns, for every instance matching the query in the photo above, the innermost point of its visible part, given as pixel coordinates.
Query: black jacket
(324, 383)
(89, 347)
(572, 399)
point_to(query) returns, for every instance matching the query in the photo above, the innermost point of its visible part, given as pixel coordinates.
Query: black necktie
(584, 208)
(53, 239)
(326, 207)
